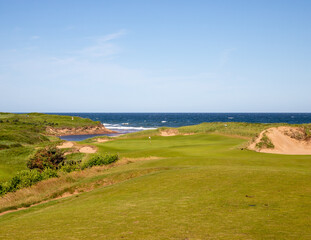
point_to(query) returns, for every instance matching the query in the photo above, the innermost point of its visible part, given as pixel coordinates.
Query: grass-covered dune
(200, 186)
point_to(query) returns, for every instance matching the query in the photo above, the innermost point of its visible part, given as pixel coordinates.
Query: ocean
(133, 122)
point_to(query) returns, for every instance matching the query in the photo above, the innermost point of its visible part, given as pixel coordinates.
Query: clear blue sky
(155, 56)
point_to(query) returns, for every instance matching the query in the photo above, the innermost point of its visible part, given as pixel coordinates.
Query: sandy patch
(76, 148)
(283, 143)
(169, 132)
(87, 150)
(66, 145)
(102, 140)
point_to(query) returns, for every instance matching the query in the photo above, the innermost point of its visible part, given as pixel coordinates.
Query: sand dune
(283, 141)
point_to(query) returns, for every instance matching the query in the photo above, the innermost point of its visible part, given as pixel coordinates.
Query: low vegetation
(265, 142)
(99, 160)
(49, 157)
(300, 133)
(26, 178)
(44, 165)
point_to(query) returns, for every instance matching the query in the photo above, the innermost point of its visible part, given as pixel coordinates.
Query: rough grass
(72, 183)
(247, 130)
(41, 119)
(265, 142)
(204, 187)
(21, 134)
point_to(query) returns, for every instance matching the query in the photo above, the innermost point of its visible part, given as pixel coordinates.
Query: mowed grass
(206, 188)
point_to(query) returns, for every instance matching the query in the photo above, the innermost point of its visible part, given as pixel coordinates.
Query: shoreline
(88, 130)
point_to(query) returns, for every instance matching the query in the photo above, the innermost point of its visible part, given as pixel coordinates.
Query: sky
(155, 56)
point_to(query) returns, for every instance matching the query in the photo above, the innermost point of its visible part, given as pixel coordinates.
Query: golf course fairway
(199, 187)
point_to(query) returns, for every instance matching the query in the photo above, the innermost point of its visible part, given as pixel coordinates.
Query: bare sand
(283, 143)
(102, 140)
(169, 132)
(76, 148)
(66, 145)
(87, 150)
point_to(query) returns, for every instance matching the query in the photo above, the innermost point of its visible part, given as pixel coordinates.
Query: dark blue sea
(133, 122)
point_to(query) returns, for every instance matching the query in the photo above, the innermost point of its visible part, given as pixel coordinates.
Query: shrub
(99, 160)
(26, 178)
(50, 157)
(70, 166)
(49, 173)
(4, 188)
(265, 142)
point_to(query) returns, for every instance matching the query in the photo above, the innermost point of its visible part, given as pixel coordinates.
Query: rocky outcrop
(98, 129)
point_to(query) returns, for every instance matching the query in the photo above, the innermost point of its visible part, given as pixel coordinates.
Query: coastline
(89, 130)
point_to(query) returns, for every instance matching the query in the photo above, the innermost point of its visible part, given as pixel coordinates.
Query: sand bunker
(76, 148)
(87, 150)
(102, 140)
(169, 132)
(66, 145)
(285, 141)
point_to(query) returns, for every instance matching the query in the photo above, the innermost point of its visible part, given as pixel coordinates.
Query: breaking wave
(121, 127)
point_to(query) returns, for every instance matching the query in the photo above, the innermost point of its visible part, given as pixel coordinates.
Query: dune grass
(205, 187)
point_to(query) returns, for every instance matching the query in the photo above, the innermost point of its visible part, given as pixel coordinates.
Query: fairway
(201, 187)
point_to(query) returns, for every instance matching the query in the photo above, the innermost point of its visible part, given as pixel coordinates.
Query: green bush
(49, 173)
(26, 178)
(4, 188)
(99, 160)
(70, 166)
(50, 157)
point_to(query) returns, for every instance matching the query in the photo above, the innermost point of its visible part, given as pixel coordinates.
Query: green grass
(21, 134)
(241, 129)
(205, 188)
(41, 119)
